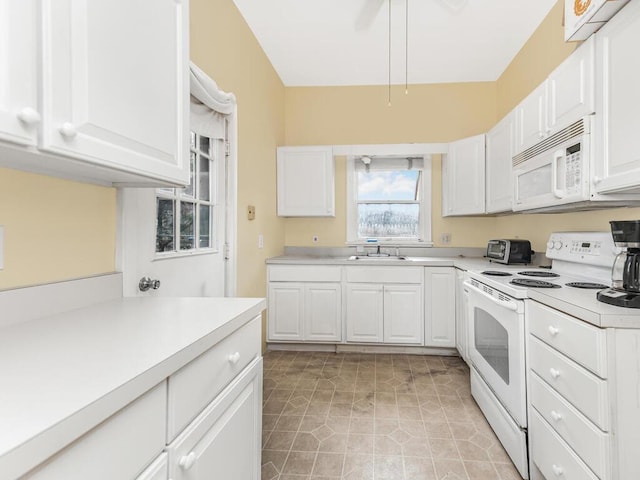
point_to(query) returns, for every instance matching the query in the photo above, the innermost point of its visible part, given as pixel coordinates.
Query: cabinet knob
(234, 358)
(556, 416)
(557, 470)
(554, 373)
(29, 116)
(596, 180)
(68, 130)
(187, 461)
(553, 331)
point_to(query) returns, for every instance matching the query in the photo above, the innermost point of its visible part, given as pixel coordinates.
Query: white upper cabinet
(113, 89)
(306, 182)
(562, 99)
(19, 111)
(499, 191)
(617, 128)
(570, 88)
(463, 184)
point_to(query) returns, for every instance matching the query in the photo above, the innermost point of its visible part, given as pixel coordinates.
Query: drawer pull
(187, 461)
(556, 416)
(554, 373)
(557, 470)
(234, 358)
(68, 130)
(553, 331)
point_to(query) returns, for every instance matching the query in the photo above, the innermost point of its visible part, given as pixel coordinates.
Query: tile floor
(365, 417)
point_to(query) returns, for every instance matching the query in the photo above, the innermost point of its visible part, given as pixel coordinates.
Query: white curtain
(209, 105)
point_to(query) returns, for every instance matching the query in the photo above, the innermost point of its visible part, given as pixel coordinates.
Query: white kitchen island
(137, 375)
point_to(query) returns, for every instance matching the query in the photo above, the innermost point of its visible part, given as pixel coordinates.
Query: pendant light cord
(389, 86)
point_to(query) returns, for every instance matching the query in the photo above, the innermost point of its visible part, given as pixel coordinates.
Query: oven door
(496, 346)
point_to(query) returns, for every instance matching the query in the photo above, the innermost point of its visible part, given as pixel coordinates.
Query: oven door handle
(509, 306)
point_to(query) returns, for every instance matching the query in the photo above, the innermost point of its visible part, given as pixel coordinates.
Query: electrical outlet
(315, 239)
(260, 241)
(445, 238)
(251, 212)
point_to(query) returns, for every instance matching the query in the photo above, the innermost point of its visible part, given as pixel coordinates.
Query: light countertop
(62, 375)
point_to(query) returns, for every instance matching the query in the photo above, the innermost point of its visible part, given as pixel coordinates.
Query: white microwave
(555, 171)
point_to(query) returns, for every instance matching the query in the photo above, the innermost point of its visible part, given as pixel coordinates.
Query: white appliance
(497, 322)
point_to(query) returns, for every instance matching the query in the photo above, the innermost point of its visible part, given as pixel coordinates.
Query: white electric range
(496, 306)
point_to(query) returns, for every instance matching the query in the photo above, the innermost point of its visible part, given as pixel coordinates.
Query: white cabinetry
(499, 191)
(580, 379)
(563, 98)
(306, 181)
(384, 305)
(440, 306)
(305, 303)
(462, 316)
(617, 143)
(223, 441)
(19, 113)
(113, 108)
(463, 185)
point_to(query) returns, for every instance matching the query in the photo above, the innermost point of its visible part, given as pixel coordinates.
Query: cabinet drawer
(384, 274)
(192, 387)
(552, 455)
(581, 388)
(591, 444)
(305, 273)
(583, 343)
(120, 447)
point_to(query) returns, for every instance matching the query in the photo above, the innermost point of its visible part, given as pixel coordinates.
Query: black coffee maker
(625, 274)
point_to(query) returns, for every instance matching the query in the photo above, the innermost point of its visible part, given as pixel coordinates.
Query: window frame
(424, 226)
(178, 196)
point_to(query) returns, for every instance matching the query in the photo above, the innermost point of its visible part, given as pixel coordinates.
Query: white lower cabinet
(384, 305)
(440, 306)
(224, 440)
(305, 303)
(584, 416)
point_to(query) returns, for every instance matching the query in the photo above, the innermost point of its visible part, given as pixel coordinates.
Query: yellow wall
(54, 229)
(434, 113)
(224, 47)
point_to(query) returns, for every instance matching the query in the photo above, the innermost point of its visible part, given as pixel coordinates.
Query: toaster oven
(509, 251)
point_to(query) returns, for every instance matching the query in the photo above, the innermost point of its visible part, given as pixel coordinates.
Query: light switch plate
(1, 247)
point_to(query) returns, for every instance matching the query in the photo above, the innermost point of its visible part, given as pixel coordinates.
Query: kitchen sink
(378, 258)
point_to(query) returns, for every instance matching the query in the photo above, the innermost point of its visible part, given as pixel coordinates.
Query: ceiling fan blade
(455, 6)
(368, 13)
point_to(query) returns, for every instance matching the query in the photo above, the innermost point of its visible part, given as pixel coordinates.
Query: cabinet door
(116, 84)
(322, 312)
(570, 88)
(19, 115)
(224, 441)
(531, 122)
(403, 320)
(285, 311)
(439, 288)
(363, 312)
(499, 162)
(617, 143)
(463, 177)
(461, 316)
(306, 182)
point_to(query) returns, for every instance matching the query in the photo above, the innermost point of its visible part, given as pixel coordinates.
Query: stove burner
(594, 286)
(538, 273)
(528, 282)
(496, 273)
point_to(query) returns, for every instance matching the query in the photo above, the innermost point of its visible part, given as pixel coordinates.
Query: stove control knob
(550, 245)
(557, 244)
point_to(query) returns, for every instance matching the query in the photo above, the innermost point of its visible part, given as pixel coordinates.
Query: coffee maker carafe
(625, 274)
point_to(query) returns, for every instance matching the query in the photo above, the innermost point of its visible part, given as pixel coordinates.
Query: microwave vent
(575, 129)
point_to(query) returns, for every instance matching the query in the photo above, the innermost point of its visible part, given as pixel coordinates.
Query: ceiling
(345, 42)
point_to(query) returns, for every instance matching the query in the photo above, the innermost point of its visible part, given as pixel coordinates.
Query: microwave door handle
(509, 306)
(557, 156)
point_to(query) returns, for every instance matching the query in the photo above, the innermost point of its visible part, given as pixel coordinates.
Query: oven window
(492, 342)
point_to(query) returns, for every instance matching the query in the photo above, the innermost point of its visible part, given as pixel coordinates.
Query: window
(389, 199)
(185, 216)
